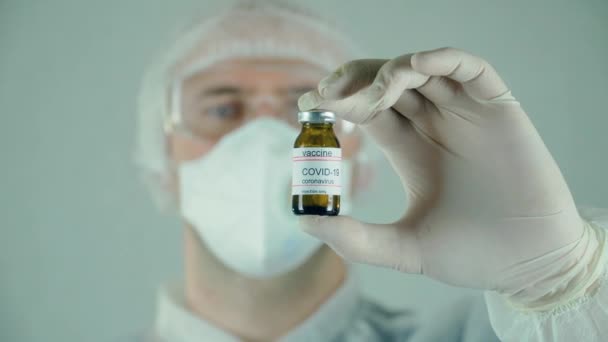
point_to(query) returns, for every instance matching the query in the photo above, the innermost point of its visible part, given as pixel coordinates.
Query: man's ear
(176, 154)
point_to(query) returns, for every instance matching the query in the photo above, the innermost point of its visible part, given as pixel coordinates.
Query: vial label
(317, 171)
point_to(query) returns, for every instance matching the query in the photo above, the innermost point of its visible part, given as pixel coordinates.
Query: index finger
(476, 75)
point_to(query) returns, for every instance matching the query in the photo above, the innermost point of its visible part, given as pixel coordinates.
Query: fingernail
(328, 81)
(308, 101)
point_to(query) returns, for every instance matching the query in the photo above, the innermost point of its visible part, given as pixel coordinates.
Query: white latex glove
(488, 206)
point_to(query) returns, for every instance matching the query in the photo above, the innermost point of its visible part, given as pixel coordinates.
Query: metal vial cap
(316, 116)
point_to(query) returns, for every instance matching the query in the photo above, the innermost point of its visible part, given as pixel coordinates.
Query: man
(489, 208)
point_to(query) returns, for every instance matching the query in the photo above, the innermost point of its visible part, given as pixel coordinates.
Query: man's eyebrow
(230, 90)
(221, 90)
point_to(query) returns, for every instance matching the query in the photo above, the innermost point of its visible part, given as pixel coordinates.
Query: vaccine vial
(316, 159)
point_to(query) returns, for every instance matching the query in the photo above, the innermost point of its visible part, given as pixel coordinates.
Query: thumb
(386, 245)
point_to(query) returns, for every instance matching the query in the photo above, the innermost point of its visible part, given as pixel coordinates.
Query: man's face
(227, 96)
(222, 98)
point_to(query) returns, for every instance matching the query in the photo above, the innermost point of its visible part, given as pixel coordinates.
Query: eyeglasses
(212, 113)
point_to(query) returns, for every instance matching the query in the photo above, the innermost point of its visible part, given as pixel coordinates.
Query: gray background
(82, 248)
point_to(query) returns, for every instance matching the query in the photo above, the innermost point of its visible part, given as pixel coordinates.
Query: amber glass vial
(317, 158)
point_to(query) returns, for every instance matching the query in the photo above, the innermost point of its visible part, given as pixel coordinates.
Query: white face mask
(238, 198)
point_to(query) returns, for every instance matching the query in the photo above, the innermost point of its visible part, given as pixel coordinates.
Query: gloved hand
(488, 206)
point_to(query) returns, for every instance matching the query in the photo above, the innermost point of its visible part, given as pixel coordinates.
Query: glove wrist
(564, 275)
